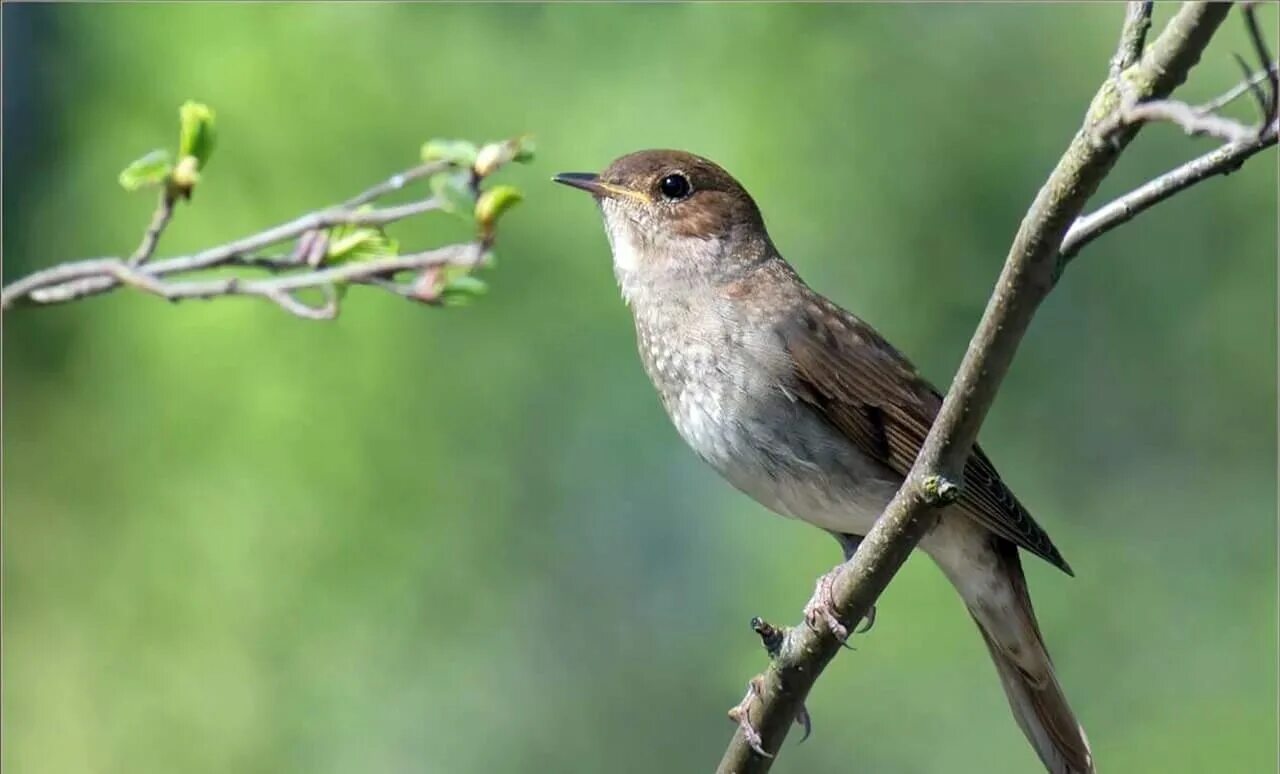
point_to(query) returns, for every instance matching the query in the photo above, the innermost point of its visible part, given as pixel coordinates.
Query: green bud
(493, 203)
(496, 154)
(186, 174)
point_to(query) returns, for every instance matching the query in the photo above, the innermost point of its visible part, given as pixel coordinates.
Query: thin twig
(395, 183)
(1028, 276)
(1191, 120)
(1221, 161)
(1240, 89)
(159, 220)
(1133, 36)
(301, 269)
(71, 281)
(1260, 49)
(281, 290)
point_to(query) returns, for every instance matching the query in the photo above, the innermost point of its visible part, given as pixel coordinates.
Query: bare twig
(159, 220)
(1243, 143)
(1029, 274)
(1264, 58)
(1191, 120)
(1237, 91)
(80, 279)
(282, 290)
(1133, 36)
(1221, 161)
(395, 183)
(1200, 120)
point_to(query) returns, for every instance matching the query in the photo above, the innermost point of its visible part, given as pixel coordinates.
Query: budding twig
(303, 269)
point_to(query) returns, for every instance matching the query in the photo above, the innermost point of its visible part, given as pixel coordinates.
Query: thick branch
(1029, 274)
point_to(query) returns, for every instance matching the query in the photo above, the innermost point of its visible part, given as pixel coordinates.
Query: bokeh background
(467, 540)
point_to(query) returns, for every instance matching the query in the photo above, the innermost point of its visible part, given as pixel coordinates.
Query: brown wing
(866, 389)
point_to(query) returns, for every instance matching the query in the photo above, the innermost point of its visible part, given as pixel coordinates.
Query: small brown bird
(805, 408)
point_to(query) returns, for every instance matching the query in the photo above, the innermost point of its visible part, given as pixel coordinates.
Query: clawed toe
(821, 609)
(803, 720)
(741, 715)
(867, 622)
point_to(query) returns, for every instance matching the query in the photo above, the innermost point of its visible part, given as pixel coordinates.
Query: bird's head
(674, 216)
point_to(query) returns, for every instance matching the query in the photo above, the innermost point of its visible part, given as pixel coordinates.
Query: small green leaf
(196, 137)
(358, 243)
(453, 190)
(461, 290)
(152, 169)
(458, 152)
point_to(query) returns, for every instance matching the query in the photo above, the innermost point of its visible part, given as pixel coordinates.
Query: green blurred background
(468, 540)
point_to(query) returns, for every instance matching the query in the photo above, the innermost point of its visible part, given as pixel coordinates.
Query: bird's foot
(821, 610)
(741, 714)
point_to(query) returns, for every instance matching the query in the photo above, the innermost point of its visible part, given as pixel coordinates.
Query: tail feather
(1012, 635)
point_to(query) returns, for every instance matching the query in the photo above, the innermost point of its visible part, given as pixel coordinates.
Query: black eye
(674, 186)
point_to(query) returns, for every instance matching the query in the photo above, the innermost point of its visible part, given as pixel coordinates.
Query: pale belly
(793, 463)
(798, 469)
(719, 384)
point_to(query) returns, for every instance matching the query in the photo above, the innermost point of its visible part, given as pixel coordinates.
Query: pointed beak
(587, 181)
(592, 184)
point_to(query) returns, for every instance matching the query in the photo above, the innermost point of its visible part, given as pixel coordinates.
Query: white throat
(627, 257)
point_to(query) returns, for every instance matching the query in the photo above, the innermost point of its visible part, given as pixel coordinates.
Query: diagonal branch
(1029, 274)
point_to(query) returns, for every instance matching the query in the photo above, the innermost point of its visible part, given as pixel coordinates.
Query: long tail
(1001, 607)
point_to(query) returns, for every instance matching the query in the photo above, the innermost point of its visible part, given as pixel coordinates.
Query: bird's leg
(849, 544)
(740, 714)
(822, 607)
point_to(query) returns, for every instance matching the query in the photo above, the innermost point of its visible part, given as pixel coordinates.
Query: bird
(809, 411)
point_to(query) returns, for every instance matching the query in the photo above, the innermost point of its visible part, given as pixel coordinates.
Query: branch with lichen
(321, 253)
(1050, 232)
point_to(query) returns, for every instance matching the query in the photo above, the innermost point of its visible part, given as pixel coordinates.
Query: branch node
(939, 490)
(771, 636)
